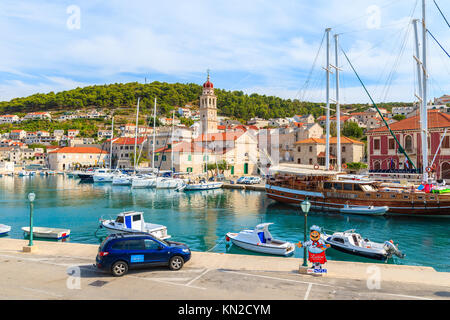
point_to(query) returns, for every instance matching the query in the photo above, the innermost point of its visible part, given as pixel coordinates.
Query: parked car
(253, 180)
(120, 252)
(242, 180)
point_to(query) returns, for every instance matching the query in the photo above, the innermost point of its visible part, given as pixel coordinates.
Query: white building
(37, 116)
(9, 118)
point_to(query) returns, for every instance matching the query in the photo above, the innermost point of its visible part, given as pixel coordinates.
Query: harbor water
(202, 218)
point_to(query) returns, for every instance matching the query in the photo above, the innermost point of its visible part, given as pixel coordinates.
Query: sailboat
(105, 175)
(326, 192)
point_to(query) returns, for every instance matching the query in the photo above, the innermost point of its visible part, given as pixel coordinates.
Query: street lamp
(305, 205)
(31, 197)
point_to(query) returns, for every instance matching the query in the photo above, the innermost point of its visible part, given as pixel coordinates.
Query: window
(151, 245)
(408, 143)
(136, 217)
(376, 144)
(446, 142)
(348, 186)
(340, 240)
(299, 161)
(391, 144)
(163, 158)
(310, 161)
(343, 148)
(327, 185)
(135, 245)
(189, 157)
(310, 149)
(299, 149)
(338, 186)
(119, 245)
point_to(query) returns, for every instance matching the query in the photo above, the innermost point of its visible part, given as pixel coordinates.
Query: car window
(150, 244)
(119, 245)
(135, 244)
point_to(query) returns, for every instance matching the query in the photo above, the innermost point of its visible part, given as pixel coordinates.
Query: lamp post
(305, 205)
(31, 197)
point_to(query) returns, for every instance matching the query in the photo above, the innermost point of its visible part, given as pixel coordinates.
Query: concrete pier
(56, 270)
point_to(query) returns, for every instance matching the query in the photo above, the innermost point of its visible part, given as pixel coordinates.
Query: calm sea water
(201, 219)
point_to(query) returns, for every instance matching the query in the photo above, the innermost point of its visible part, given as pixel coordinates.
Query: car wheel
(176, 263)
(119, 268)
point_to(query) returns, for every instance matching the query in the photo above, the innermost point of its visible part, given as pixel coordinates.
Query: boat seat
(261, 237)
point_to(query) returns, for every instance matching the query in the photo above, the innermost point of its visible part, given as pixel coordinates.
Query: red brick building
(382, 147)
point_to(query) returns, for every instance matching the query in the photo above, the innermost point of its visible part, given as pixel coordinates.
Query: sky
(255, 46)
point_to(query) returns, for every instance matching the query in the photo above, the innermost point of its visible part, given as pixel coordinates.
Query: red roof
(182, 147)
(128, 141)
(323, 155)
(79, 150)
(436, 119)
(221, 136)
(298, 124)
(333, 140)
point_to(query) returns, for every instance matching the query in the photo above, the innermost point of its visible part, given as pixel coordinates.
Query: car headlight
(186, 250)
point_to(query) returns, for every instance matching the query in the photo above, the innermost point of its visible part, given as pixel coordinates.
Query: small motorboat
(24, 173)
(364, 210)
(352, 243)
(48, 233)
(4, 229)
(121, 179)
(261, 240)
(210, 185)
(133, 222)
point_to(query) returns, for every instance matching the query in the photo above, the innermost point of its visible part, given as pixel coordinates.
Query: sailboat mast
(424, 114)
(154, 133)
(136, 134)
(338, 107)
(417, 58)
(171, 145)
(111, 146)
(327, 146)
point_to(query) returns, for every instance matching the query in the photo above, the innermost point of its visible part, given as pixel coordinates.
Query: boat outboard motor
(391, 249)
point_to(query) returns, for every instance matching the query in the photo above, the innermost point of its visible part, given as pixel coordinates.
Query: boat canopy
(263, 226)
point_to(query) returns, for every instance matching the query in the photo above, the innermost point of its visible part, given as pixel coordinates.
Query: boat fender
(344, 166)
(227, 238)
(316, 166)
(331, 167)
(428, 169)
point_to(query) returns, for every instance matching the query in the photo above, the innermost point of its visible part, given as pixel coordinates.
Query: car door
(155, 253)
(136, 252)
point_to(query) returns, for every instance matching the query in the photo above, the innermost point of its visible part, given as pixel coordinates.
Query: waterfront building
(9, 118)
(445, 99)
(312, 151)
(72, 133)
(104, 134)
(382, 147)
(258, 122)
(123, 150)
(17, 134)
(405, 110)
(70, 157)
(38, 116)
(288, 135)
(309, 118)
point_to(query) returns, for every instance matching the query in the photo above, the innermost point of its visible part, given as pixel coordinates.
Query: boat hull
(280, 251)
(369, 255)
(56, 234)
(323, 201)
(159, 232)
(203, 186)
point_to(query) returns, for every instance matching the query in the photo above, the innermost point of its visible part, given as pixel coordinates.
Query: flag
(406, 164)
(392, 164)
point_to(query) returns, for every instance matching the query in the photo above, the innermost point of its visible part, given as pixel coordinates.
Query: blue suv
(120, 252)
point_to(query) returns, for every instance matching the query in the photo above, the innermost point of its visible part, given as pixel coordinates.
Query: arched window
(408, 143)
(376, 165)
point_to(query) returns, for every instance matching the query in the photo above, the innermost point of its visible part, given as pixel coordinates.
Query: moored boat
(133, 222)
(327, 192)
(48, 233)
(352, 243)
(260, 240)
(4, 229)
(364, 210)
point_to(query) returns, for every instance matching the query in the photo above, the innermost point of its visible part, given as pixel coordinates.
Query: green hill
(234, 104)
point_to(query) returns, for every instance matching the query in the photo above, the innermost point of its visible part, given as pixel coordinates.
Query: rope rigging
(438, 43)
(442, 14)
(400, 148)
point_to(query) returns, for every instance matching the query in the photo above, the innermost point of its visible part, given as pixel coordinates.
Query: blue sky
(267, 47)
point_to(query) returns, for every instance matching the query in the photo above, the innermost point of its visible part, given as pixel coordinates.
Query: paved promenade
(65, 271)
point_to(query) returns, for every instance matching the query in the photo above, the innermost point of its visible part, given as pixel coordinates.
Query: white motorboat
(351, 242)
(103, 175)
(4, 229)
(364, 210)
(260, 240)
(144, 181)
(49, 233)
(207, 185)
(24, 173)
(121, 179)
(168, 183)
(133, 222)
